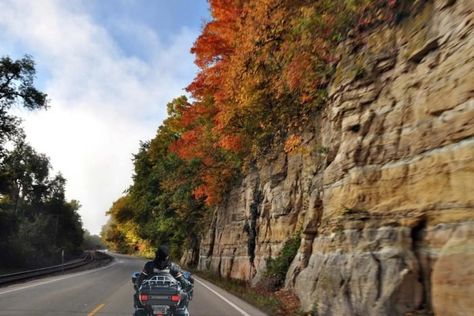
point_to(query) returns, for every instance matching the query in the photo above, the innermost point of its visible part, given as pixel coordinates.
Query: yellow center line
(96, 310)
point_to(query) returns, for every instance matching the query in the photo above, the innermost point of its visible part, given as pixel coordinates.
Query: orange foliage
(231, 143)
(292, 143)
(298, 69)
(186, 146)
(264, 66)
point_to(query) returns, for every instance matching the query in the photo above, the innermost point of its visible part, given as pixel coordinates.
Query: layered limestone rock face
(381, 188)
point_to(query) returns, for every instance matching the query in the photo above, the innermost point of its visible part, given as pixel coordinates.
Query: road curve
(106, 291)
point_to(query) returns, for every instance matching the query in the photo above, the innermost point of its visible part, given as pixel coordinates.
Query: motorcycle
(162, 295)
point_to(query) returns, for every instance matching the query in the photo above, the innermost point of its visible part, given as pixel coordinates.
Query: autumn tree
(265, 67)
(160, 206)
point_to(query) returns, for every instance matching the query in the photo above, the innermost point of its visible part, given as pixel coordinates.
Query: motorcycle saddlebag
(157, 295)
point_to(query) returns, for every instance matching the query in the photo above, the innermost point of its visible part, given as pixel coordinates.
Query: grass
(269, 302)
(267, 295)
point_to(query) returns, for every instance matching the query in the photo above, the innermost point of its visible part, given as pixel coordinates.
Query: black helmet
(162, 257)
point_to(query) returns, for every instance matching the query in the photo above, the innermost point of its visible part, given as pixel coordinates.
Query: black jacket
(150, 269)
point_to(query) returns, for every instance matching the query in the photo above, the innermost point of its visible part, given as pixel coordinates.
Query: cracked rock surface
(382, 186)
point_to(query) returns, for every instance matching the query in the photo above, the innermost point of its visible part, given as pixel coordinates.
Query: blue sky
(109, 68)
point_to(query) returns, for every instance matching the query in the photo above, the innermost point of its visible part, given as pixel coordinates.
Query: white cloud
(102, 101)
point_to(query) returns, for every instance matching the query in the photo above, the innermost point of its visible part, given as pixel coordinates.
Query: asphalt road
(106, 291)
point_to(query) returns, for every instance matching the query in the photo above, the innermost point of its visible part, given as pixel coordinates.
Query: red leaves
(209, 190)
(208, 82)
(186, 147)
(226, 10)
(215, 181)
(211, 46)
(231, 143)
(264, 65)
(200, 192)
(297, 70)
(201, 139)
(214, 46)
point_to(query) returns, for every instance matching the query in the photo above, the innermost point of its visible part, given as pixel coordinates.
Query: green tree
(25, 175)
(36, 221)
(159, 207)
(92, 242)
(17, 88)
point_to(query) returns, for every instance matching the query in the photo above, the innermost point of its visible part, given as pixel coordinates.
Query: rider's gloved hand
(187, 286)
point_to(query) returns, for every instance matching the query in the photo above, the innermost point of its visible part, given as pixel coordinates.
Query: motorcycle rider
(160, 263)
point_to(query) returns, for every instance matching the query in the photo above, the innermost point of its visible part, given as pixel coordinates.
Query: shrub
(278, 267)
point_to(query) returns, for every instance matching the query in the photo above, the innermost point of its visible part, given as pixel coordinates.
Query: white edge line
(56, 279)
(224, 299)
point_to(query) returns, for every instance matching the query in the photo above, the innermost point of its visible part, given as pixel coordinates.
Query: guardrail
(23, 275)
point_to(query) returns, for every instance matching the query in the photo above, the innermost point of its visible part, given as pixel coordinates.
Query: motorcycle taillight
(144, 297)
(175, 298)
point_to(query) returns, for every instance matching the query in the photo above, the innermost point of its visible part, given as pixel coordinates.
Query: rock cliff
(381, 187)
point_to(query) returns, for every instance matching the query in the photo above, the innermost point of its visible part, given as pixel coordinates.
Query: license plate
(159, 309)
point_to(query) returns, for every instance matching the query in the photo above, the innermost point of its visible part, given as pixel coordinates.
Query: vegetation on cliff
(278, 267)
(264, 69)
